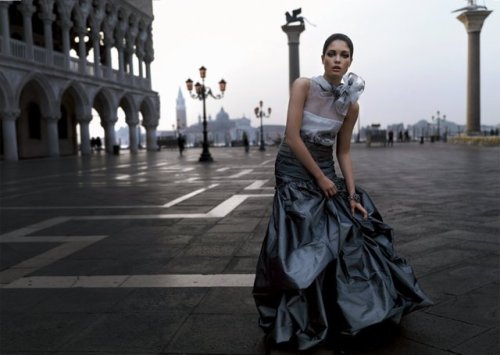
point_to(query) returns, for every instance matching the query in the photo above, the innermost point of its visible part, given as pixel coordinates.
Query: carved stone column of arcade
(139, 49)
(48, 17)
(132, 33)
(108, 124)
(120, 32)
(8, 119)
(293, 32)
(28, 10)
(84, 122)
(66, 24)
(473, 21)
(95, 36)
(108, 30)
(149, 57)
(4, 27)
(151, 141)
(52, 135)
(133, 132)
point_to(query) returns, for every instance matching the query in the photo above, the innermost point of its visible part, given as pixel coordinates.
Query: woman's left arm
(344, 156)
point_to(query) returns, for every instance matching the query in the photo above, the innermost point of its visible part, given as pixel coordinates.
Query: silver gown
(321, 271)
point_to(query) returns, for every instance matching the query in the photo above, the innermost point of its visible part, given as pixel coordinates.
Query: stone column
(133, 131)
(9, 135)
(65, 27)
(82, 51)
(293, 34)
(48, 18)
(28, 10)
(109, 134)
(95, 37)
(5, 30)
(151, 141)
(52, 136)
(85, 147)
(473, 21)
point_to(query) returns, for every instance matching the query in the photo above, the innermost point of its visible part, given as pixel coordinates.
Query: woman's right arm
(298, 96)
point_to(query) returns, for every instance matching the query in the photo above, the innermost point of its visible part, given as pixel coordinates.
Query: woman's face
(336, 60)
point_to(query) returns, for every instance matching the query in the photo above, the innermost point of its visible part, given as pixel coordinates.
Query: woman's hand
(358, 206)
(327, 186)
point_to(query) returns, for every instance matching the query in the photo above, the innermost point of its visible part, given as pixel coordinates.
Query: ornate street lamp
(259, 112)
(201, 93)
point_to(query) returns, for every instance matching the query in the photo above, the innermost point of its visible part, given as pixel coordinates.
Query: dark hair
(341, 37)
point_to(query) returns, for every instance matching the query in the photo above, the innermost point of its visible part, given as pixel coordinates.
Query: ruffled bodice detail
(326, 107)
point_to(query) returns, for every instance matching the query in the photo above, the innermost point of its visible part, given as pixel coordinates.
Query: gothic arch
(104, 104)
(39, 90)
(128, 105)
(147, 109)
(81, 101)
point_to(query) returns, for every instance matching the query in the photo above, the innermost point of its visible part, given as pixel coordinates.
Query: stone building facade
(60, 60)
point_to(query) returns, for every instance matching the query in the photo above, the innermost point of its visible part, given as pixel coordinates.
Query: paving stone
(141, 331)
(27, 332)
(209, 334)
(461, 279)
(205, 249)
(14, 253)
(480, 307)
(436, 331)
(228, 300)
(242, 265)
(197, 265)
(487, 343)
(18, 301)
(80, 300)
(161, 300)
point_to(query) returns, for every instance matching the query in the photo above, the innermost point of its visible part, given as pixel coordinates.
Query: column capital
(293, 32)
(27, 8)
(9, 115)
(51, 119)
(84, 119)
(473, 20)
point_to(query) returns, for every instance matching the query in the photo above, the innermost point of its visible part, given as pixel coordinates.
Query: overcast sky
(411, 53)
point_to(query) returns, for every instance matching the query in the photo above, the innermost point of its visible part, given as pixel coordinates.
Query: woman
(327, 265)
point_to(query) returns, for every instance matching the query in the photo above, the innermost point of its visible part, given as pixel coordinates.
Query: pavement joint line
(241, 173)
(167, 205)
(258, 185)
(222, 169)
(265, 162)
(26, 267)
(134, 281)
(21, 232)
(189, 195)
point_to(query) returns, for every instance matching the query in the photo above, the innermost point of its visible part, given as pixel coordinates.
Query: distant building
(180, 109)
(59, 60)
(225, 131)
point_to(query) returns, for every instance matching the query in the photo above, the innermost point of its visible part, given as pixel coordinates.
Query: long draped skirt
(321, 271)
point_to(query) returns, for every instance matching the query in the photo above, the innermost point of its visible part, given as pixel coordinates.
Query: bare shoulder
(300, 86)
(353, 110)
(302, 83)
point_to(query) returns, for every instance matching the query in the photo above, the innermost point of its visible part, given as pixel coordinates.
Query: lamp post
(438, 133)
(201, 93)
(259, 112)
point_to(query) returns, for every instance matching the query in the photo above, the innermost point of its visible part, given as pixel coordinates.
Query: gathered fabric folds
(321, 271)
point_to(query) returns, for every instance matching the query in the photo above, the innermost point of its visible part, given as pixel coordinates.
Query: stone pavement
(155, 254)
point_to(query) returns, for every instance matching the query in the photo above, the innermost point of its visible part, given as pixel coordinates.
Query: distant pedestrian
(246, 143)
(181, 143)
(98, 144)
(391, 139)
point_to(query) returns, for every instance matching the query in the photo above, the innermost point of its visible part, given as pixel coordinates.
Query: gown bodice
(326, 107)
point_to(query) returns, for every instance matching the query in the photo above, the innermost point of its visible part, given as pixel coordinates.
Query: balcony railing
(19, 49)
